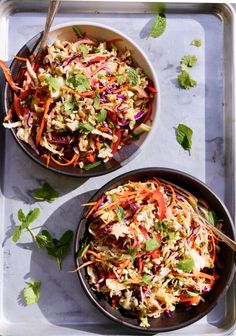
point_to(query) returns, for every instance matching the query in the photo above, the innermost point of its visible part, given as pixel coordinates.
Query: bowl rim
(78, 237)
(156, 104)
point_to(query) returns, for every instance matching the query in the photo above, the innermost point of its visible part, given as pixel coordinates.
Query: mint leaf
(85, 128)
(186, 264)
(31, 293)
(53, 84)
(185, 80)
(21, 215)
(92, 165)
(25, 220)
(101, 116)
(159, 26)
(45, 193)
(184, 136)
(96, 101)
(84, 49)
(44, 239)
(196, 43)
(120, 213)
(69, 107)
(132, 77)
(16, 233)
(211, 217)
(32, 215)
(77, 31)
(188, 61)
(152, 244)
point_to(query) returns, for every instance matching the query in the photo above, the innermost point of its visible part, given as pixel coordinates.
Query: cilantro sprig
(185, 80)
(32, 293)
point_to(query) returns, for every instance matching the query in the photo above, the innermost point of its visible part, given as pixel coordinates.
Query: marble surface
(64, 308)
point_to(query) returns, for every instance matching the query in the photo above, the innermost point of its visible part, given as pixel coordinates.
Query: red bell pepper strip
(8, 76)
(24, 94)
(115, 145)
(158, 196)
(97, 59)
(17, 106)
(152, 89)
(112, 116)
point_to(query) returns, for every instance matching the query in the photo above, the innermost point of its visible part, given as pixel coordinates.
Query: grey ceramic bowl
(99, 32)
(181, 318)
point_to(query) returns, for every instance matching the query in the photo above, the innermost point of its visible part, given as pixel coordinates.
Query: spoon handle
(52, 10)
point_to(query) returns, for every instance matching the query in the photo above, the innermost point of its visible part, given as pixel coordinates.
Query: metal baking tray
(209, 109)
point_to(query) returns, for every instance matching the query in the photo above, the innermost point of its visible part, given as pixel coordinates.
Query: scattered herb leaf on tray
(185, 80)
(25, 220)
(184, 136)
(196, 43)
(159, 26)
(31, 293)
(55, 248)
(45, 193)
(188, 61)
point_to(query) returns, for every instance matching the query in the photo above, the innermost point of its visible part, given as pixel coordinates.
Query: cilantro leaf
(188, 61)
(92, 165)
(132, 77)
(196, 43)
(160, 226)
(31, 293)
(84, 49)
(78, 82)
(96, 101)
(147, 279)
(185, 80)
(85, 128)
(69, 107)
(77, 31)
(211, 217)
(55, 248)
(120, 213)
(184, 136)
(53, 84)
(132, 252)
(159, 26)
(25, 220)
(186, 264)
(45, 193)
(101, 116)
(120, 79)
(152, 244)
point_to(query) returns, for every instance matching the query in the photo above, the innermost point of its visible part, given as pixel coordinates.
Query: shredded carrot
(9, 115)
(124, 88)
(76, 159)
(68, 163)
(87, 263)
(21, 58)
(47, 106)
(124, 265)
(48, 159)
(140, 265)
(107, 85)
(79, 94)
(93, 253)
(173, 197)
(88, 204)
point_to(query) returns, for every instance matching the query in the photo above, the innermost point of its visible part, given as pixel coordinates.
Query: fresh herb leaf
(147, 279)
(85, 128)
(159, 26)
(188, 61)
(132, 77)
(55, 248)
(53, 84)
(186, 264)
(101, 116)
(69, 107)
(78, 82)
(96, 50)
(132, 252)
(25, 220)
(92, 165)
(31, 293)
(152, 244)
(171, 235)
(100, 76)
(196, 43)
(77, 31)
(160, 226)
(45, 193)
(120, 213)
(185, 80)
(211, 217)
(96, 101)
(184, 136)
(84, 49)
(113, 197)
(82, 251)
(120, 79)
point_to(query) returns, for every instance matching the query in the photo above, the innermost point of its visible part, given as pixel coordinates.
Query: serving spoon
(52, 10)
(197, 206)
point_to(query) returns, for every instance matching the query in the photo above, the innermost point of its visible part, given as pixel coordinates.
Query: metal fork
(52, 10)
(195, 204)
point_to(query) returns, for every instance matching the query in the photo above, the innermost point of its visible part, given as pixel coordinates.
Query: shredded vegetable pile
(150, 250)
(80, 102)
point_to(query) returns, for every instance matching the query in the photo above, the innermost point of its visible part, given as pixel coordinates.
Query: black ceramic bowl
(100, 32)
(180, 318)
